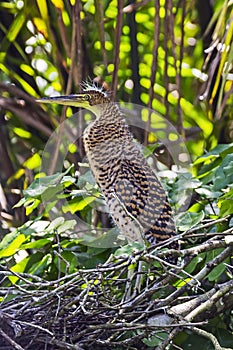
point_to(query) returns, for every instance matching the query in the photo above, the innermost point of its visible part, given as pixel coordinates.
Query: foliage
(58, 248)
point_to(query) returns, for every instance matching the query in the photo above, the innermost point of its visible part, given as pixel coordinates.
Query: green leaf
(185, 221)
(226, 207)
(155, 340)
(216, 272)
(47, 186)
(193, 264)
(208, 192)
(16, 26)
(40, 186)
(20, 203)
(55, 224)
(8, 239)
(40, 243)
(108, 239)
(66, 226)
(19, 267)
(41, 266)
(77, 204)
(69, 264)
(86, 178)
(13, 247)
(22, 133)
(219, 150)
(33, 162)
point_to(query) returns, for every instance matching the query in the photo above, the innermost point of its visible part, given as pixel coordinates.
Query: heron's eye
(87, 97)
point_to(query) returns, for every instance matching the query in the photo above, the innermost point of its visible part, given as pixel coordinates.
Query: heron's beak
(79, 100)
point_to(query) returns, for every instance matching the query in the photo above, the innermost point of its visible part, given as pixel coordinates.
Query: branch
(209, 336)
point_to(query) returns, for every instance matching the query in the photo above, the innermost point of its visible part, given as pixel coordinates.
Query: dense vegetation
(65, 283)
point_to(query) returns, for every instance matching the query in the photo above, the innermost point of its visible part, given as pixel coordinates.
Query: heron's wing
(144, 198)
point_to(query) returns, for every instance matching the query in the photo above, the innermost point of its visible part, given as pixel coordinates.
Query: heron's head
(90, 99)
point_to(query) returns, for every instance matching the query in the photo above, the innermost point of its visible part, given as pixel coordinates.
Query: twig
(11, 341)
(209, 336)
(116, 54)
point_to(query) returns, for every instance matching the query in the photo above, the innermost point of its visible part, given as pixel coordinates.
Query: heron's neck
(108, 113)
(109, 124)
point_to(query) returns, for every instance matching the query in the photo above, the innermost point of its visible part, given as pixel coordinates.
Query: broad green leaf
(226, 207)
(13, 247)
(77, 205)
(216, 272)
(20, 268)
(194, 262)
(221, 149)
(40, 243)
(41, 266)
(67, 225)
(41, 185)
(8, 239)
(208, 192)
(55, 224)
(30, 205)
(185, 221)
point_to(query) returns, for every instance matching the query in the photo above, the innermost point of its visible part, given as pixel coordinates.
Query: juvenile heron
(136, 199)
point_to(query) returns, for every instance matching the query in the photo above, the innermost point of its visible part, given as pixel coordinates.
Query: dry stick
(167, 341)
(26, 117)
(208, 304)
(154, 67)
(209, 336)
(100, 24)
(79, 75)
(204, 247)
(166, 78)
(199, 277)
(8, 163)
(208, 224)
(11, 341)
(78, 30)
(68, 91)
(178, 76)
(116, 54)
(15, 91)
(63, 32)
(202, 302)
(204, 306)
(134, 6)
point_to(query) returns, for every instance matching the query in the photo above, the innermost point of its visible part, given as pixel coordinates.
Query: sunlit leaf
(42, 5)
(16, 26)
(22, 133)
(41, 26)
(77, 205)
(33, 162)
(19, 268)
(13, 247)
(58, 4)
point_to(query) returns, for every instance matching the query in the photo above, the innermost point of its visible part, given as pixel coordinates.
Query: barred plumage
(136, 198)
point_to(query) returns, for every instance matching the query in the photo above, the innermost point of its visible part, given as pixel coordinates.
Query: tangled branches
(125, 303)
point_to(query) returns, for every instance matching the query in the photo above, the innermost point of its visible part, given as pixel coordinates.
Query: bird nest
(130, 302)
